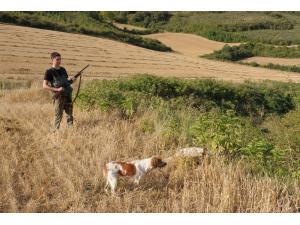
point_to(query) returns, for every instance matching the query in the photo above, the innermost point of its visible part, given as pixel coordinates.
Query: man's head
(56, 59)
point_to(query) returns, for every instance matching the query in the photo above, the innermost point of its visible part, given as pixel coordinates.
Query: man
(56, 80)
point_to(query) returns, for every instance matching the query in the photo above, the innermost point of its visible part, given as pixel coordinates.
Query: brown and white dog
(135, 169)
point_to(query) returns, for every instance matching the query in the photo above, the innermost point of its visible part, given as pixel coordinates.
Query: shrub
(222, 132)
(130, 93)
(208, 113)
(235, 53)
(235, 137)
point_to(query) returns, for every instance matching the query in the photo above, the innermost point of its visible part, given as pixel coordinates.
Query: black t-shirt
(51, 72)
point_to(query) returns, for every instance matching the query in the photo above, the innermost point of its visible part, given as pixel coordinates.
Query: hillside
(25, 55)
(89, 23)
(281, 28)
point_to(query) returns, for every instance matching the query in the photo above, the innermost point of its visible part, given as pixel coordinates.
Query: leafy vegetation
(145, 19)
(261, 30)
(295, 69)
(280, 28)
(230, 119)
(129, 93)
(235, 53)
(243, 51)
(90, 23)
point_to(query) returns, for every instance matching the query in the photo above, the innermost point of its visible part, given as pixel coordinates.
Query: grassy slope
(263, 29)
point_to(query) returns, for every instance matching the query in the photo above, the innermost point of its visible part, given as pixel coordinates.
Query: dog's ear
(155, 162)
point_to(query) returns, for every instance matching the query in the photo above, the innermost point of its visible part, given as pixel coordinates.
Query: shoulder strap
(77, 89)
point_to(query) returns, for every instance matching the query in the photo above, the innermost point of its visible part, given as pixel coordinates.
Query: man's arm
(49, 88)
(71, 79)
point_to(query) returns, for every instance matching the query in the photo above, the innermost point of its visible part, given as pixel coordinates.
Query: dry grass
(25, 53)
(61, 172)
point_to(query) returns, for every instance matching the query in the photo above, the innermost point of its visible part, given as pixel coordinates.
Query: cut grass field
(25, 54)
(42, 171)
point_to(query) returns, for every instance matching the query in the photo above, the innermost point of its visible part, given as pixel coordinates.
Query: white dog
(135, 169)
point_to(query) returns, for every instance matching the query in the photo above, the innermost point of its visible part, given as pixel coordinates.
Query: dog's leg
(113, 181)
(137, 180)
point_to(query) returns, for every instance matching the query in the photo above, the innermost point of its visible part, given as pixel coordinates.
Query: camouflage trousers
(62, 104)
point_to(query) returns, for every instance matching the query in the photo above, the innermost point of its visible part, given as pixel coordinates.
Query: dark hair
(54, 55)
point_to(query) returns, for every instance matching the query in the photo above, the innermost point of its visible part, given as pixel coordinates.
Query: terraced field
(25, 55)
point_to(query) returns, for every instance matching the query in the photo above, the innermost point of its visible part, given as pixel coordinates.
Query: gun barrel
(81, 71)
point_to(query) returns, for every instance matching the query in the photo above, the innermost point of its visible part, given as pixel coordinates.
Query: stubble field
(25, 55)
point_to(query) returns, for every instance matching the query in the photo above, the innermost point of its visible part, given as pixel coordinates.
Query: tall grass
(61, 172)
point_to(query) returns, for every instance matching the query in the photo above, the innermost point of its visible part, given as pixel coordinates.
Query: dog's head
(157, 162)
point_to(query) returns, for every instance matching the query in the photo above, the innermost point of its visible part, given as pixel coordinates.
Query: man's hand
(49, 88)
(72, 79)
(60, 89)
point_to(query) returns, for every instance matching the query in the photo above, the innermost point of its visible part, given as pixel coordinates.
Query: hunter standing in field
(57, 80)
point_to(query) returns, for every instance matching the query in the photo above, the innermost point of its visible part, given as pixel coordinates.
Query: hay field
(42, 171)
(189, 44)
(25, 55)
(267, 60)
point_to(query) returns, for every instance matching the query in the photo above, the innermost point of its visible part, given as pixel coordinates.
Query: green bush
(235, 53)
(223, 132)
(244, 99)
(272, 66)
(209, 113)
(236, 137)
